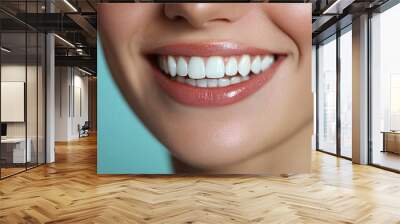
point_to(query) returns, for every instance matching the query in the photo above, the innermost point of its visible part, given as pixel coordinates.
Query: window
(346, 75)
(385, 89)
(327, 96)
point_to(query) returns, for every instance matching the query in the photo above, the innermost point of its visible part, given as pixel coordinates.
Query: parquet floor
(70, 191)
(10, 171)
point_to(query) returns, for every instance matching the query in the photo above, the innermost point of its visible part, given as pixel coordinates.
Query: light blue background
(124, 145)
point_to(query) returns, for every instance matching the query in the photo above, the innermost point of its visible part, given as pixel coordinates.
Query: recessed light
(5, 50)
(70, 5)
(64, 40)
(84, 71)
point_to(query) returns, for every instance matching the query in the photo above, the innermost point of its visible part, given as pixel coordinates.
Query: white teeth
(223, 82)
(244, 65)
(235, 80)
(266, 62)
(191, 82)
(212, 82)
(171, 66)
(256, 65)
(181, 67)
(201, 83)
(216, 72)
(215, 67)
(196, 68)
(231, 67)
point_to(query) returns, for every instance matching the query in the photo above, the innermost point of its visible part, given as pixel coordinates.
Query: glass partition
(14, 153)
(22, 77)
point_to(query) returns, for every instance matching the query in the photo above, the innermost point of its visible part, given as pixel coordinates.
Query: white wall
(9, 73)
(62, 82)
(12, 101)
(71, 94)
(80, 105)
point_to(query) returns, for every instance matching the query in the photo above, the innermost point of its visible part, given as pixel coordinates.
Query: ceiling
(74, 21)
(331, 15)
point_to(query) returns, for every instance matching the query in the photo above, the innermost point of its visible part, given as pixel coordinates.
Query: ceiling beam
(337, 7)
(85, 25)
(81, 61)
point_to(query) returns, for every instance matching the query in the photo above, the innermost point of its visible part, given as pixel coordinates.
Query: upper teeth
(214, 67)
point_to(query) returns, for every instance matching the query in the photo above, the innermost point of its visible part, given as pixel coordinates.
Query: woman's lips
(218, 74)
(208, 49)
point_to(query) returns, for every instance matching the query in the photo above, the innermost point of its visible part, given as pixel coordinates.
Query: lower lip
(217, 96)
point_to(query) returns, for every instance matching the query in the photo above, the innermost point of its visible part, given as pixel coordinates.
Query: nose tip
(200, 15)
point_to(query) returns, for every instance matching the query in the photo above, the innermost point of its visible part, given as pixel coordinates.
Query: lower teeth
(211, 83)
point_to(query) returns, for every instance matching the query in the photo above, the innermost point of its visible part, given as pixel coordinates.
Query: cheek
(120, 23)
(121, 28)
(283, 16)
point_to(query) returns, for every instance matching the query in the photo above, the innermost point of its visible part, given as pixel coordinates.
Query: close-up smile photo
(226, 88)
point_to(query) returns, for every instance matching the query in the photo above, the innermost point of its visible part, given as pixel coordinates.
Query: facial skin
(267, 132)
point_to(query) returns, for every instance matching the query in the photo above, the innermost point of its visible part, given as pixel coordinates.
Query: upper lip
(206, 49)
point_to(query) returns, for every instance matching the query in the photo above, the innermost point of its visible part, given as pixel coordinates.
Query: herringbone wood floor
(70, 191)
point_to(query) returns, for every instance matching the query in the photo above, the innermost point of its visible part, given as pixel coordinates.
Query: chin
(213, 154)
